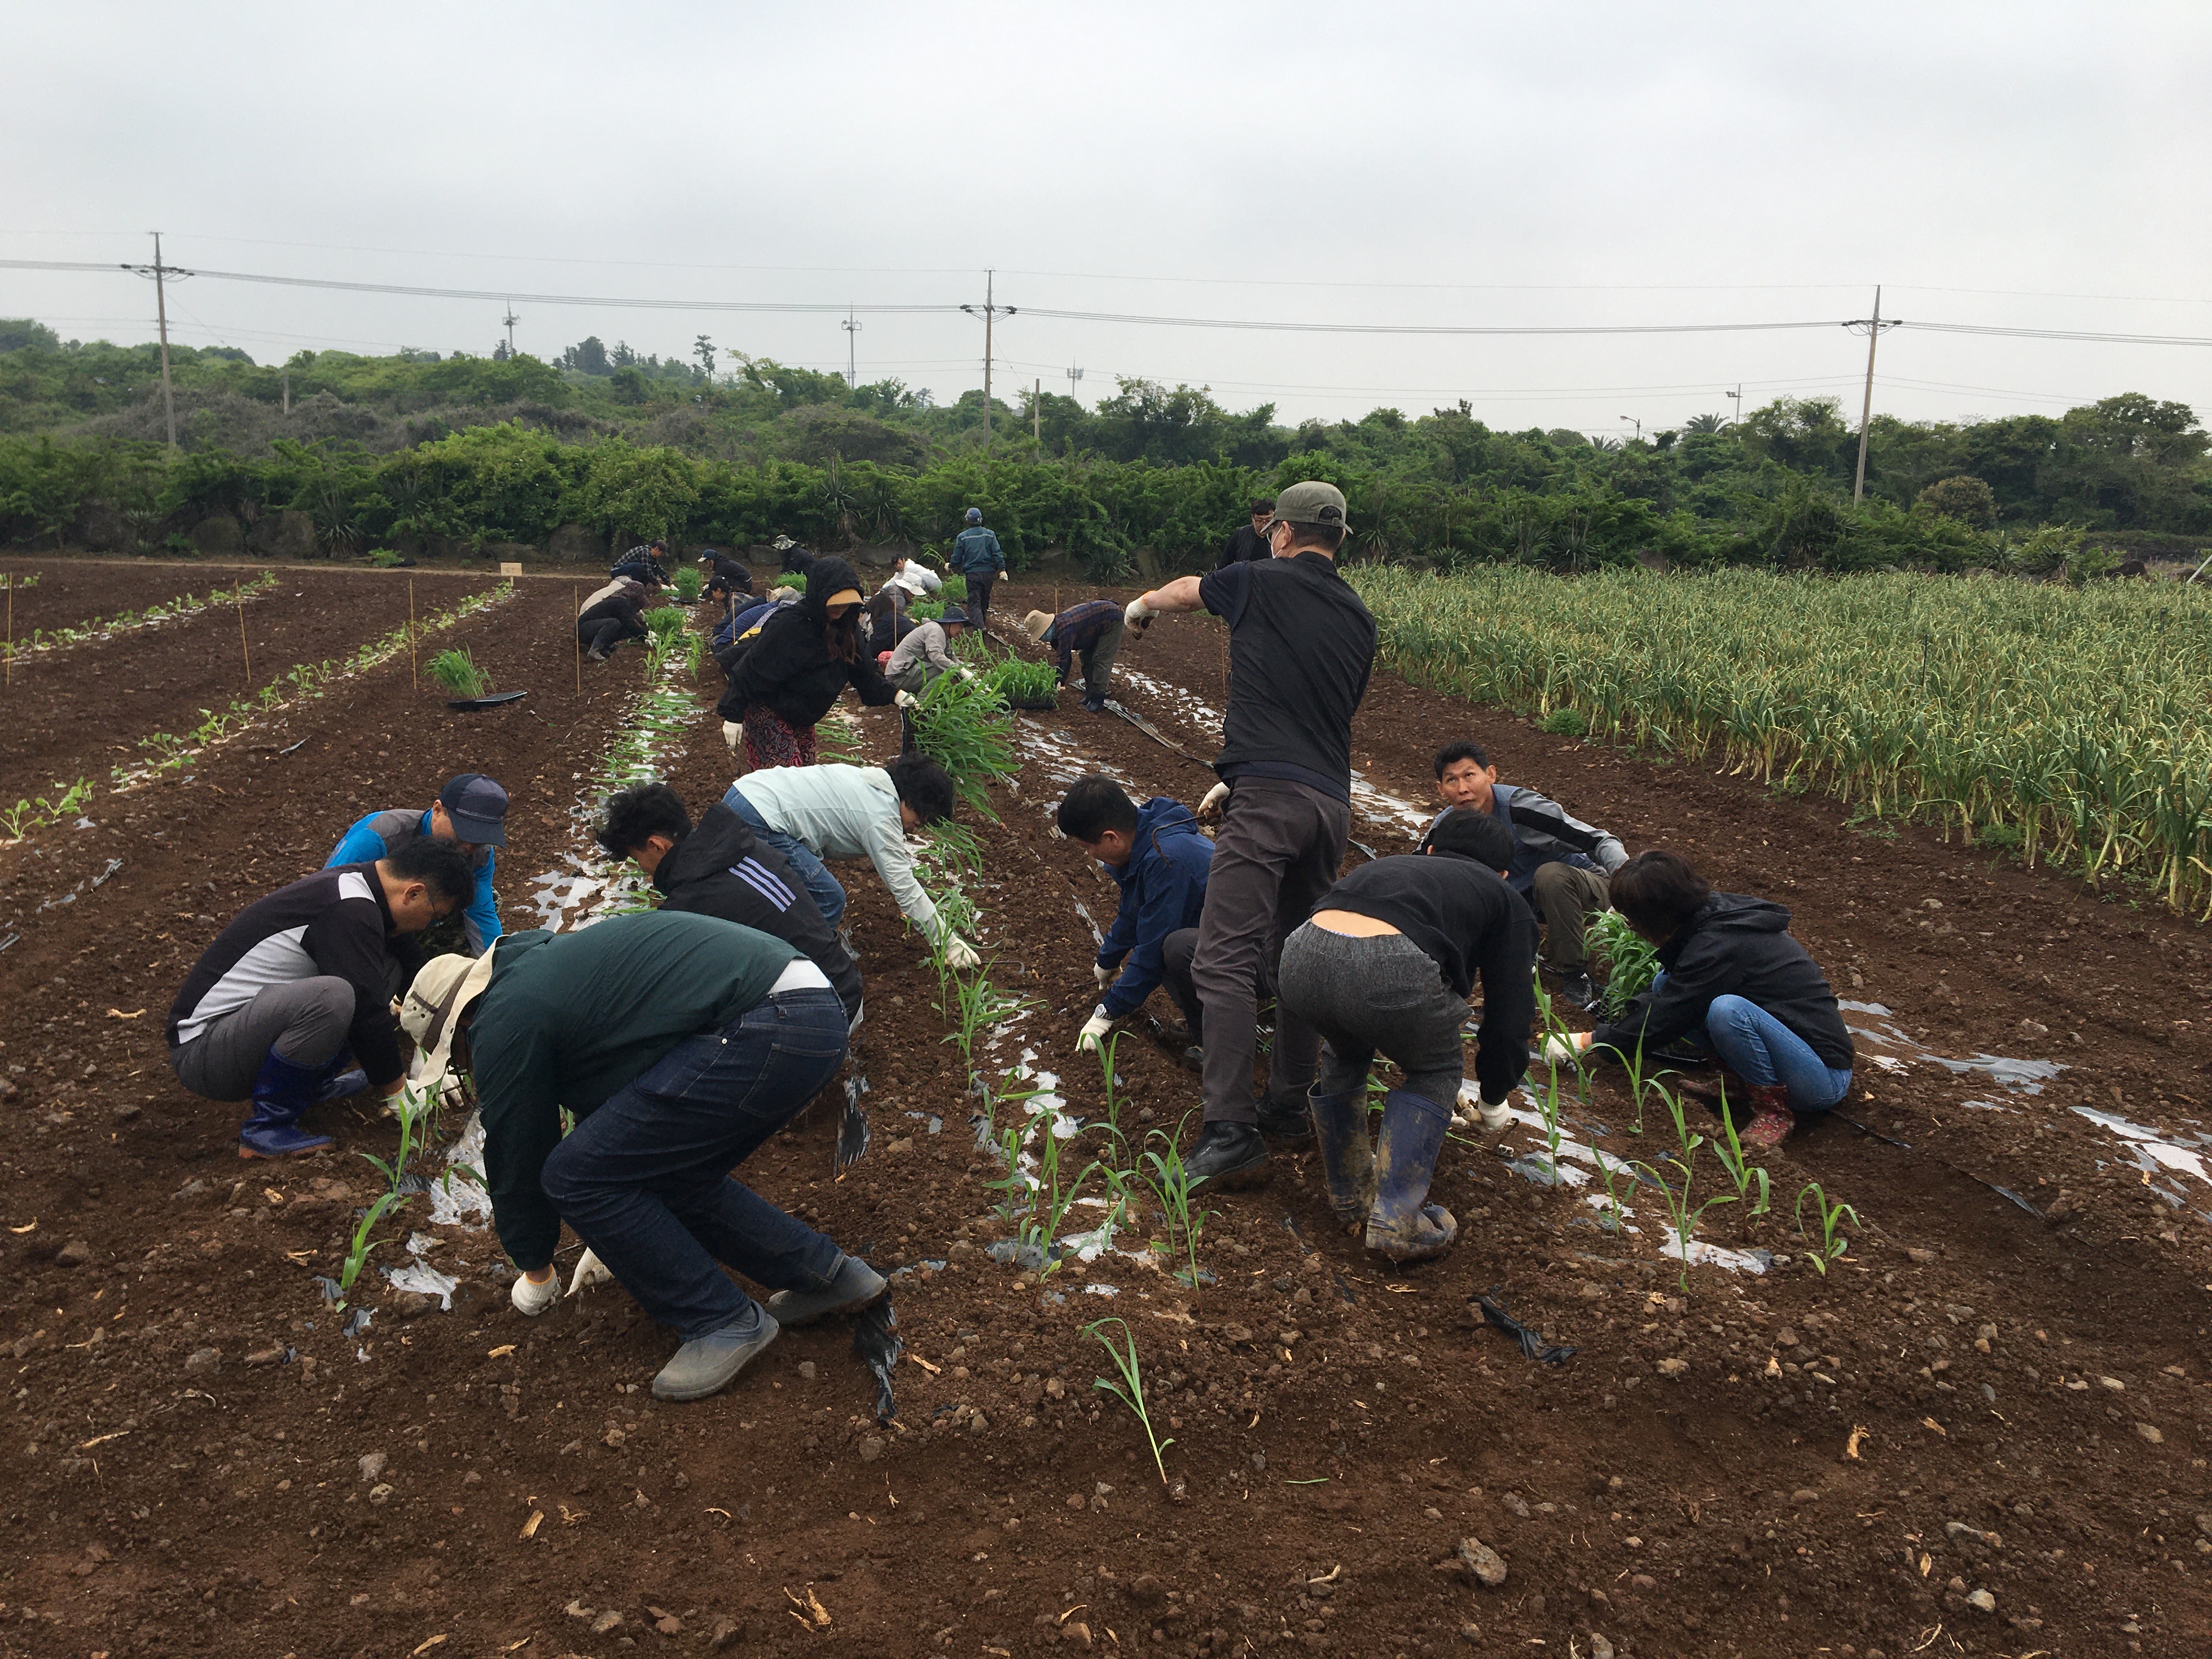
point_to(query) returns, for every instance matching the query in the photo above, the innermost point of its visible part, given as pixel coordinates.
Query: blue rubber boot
(1348, 1157)
(282, 1091)
(1403, 1226)
(337, 1080)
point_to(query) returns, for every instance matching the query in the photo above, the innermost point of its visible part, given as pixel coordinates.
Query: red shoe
(1772, 1120)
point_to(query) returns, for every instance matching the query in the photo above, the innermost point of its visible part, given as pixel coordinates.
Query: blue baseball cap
(975, 515)
(476, 808)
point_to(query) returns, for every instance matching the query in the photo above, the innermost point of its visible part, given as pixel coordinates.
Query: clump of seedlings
(460, 673)
(25, 816)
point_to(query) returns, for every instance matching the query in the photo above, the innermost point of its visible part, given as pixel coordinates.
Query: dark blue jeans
(1761, 1050)
(829, 897)
(645, 1180)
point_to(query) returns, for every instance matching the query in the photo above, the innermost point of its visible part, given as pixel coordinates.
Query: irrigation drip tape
(876, 1339)
(1153, 732)
(2005, 1193)
(1493, 1312)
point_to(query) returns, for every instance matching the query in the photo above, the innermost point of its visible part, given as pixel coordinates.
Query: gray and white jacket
(1544, 832)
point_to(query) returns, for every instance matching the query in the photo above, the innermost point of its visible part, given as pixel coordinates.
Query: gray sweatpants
(1277, 853)
(1567, 895)
(1368, 994)
(304, 1020)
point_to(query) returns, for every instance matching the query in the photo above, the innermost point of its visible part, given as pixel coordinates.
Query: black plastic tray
(491, 701)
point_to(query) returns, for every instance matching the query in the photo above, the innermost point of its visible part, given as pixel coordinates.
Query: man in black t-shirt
(1301, 646)
(1247, 543)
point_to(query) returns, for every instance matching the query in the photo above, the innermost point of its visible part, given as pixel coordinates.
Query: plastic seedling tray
(491, 701)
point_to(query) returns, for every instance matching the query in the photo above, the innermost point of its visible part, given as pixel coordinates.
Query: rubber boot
(1772, 1120)
(282, 1091)
(336, 1080)
(1348, 1157)
(1400, 1226)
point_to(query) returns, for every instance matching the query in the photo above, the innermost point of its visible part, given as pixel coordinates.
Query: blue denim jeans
(1763, 1051)
(828, 896)
(645, 1180)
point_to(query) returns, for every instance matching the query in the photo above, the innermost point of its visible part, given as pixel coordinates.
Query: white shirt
(842, 811)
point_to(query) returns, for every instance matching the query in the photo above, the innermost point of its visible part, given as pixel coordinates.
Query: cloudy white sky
(2040, 166)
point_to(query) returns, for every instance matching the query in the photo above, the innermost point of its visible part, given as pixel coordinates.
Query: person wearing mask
(1158, 858)
(790, 676)
(977, 557)
(1301, 647)
(1093, 627)
(811, 813)
(609, 616)
(1732, 982)
(302, 977)
(1560, 863)
(1249, 542)
(470, 811)
(643, 564)
(1385, 965)
(722, 868)
(925, 653)
(678, 1043)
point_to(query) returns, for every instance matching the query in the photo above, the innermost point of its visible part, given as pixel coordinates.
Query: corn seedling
(1018, 680)
(1683, 1214)
(409, 1109)
(1105, 1052)
(1631, 961)
(1168, 1178)
(357, 1250)
(1741, 1170)
(458, 673)
(1833, 1243)
(963, 726)
(1020, 1188)
(1130, 1389)
(953, 590)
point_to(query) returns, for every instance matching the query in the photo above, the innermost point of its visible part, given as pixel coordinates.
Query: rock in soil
(1484, 1562)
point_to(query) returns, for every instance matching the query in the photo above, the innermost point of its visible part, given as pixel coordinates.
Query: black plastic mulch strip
(876, 1339)
(1493, 1311)
(853, 1132)
(2005, 1193)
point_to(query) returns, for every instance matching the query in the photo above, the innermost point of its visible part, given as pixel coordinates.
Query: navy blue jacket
(1163, 888)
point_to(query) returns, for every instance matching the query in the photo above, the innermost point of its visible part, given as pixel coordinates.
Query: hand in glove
(533, 1296)
(1567, 1050)
(965, 672)
(590, 1271)
(1139, 614)
(1103, 974)
(1210, 806)
(1495, 1117)
(904, 699)
(1094, 1030)
(961, 954)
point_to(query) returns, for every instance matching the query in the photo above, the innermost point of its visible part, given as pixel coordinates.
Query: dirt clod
(1484, 1562)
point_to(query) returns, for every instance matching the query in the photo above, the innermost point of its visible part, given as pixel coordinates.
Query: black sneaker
(1283, 1119)
(1228, 1155)
(1575, 988)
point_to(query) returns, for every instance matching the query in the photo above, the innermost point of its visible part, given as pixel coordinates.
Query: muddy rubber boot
(1400, 1227)
(708, 1365)
(1228, 1155)
(852, 1286)
(1772, 1120)
(1348, 1157)
(280, 1093)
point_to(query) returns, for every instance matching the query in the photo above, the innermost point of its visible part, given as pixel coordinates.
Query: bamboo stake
(244, 653)
(7, 675)
(576, 600)
(414, 680)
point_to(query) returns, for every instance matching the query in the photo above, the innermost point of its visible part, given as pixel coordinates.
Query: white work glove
(965, 672)
(1210, 806)
(1564, 1051)
(903, 700)
(1103, 974)
(1495, 1118)
(1094, 1029)
(961, 954)
(532, 1300)
(1138, 614)
(590, 1271)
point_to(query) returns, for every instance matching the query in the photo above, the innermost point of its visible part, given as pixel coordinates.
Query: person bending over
(809, 813)
(1732, 980)
(678, 1043)
(1158, 859)
(610, 616)
(925, 653)
(1385, 965)
(1560, 863)
(470, 811)
(643, 564)
(916, 579)
(302, 977)
(792, 674)
(1093, 627)
(722, 868)
(728, 580)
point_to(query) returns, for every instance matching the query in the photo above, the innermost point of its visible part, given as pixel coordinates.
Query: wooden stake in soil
(8, 675)
(576, 599)
(414, 680)
(246, 655)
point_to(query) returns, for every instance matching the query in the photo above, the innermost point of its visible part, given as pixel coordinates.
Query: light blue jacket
(372, 837)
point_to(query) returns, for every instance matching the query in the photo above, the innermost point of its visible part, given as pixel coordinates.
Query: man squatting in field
(1301, 648)
(302, 977)
(1159, 860)
(1093, 627)
(1385, 965)
(679, 1042)
(610, 614)
(470, 811)
(925, 652)
(1732, 981)
(1560, 863)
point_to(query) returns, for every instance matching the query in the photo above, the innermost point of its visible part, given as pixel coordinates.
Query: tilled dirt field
(1995, 1398)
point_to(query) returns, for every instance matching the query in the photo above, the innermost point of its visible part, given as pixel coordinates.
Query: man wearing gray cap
(470, 810)
(1301, 646)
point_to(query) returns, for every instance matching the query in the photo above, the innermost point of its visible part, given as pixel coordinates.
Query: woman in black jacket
(803, 657)
(1734, 982)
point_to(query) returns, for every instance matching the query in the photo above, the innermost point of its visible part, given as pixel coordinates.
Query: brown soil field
(1994, 1392)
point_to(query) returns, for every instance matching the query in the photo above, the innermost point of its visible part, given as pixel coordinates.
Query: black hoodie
(1735, 946)
(789, 668)
(722, 869)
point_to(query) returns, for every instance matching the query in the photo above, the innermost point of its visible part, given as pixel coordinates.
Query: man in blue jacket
(976, 556)
(470, 810)
(1159, 859)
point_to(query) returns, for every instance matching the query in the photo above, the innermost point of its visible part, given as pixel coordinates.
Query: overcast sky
(2029, 165)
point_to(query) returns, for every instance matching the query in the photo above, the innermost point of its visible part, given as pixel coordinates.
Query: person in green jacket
(679, 1043)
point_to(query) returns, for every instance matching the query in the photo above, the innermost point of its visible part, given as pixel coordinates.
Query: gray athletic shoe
(708, 1365)
(852, 1287)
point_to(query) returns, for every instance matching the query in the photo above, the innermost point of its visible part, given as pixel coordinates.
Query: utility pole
(158, 271)
(1738, 395)
(1865, 409)
(1074, 375)
(990, 309)
(509, 321)
(1036, 412)
(852, 328)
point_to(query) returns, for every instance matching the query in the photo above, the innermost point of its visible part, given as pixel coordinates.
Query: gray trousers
(1098, 660)
(1566, 896)
(1176, 951)
(304, 1020)
(1368, 994)
(1278, 853)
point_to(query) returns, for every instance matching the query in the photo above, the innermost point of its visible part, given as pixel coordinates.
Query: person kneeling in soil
(610, 616)
(1560, 863)
(1158, 859)
(1731, 981)
(678, 1044)
(792, 674)
(727, 579)
(925, 653)
(722, 868)
(302, 977)
(809, 813)
(470, 811)
(1386, 964)
(1095, 629)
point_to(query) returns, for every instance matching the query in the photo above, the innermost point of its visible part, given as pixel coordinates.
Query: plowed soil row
(2029, 1387)
(72, 592)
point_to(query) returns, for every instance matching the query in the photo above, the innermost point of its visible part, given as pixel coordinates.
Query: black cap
(476, 808)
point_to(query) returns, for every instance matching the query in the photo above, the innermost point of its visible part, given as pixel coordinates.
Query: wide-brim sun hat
(431, 1010)
(1035, 624)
